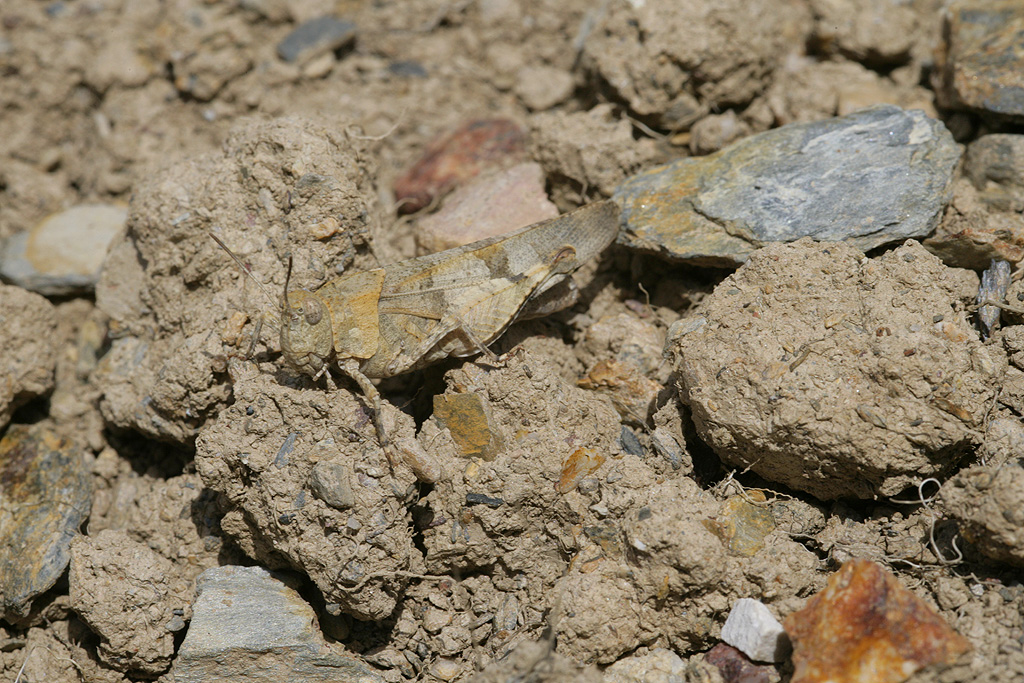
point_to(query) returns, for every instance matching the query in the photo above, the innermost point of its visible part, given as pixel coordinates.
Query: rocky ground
(782, 417)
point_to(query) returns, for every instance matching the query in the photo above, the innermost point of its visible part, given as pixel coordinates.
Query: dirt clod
(835, 374)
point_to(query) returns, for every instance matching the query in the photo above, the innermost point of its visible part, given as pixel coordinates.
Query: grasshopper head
(306, 337)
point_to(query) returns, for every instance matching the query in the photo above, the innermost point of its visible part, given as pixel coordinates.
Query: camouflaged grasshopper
(384, 322)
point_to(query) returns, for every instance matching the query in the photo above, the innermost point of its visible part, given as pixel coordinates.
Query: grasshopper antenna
(287, 282)
(245, 270)
(266, 292)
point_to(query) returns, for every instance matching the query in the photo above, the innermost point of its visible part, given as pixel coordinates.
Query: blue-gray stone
(248, 625)
(876, 176)
(45, 496)
(315, 37)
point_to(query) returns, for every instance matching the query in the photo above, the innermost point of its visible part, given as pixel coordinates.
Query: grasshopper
(391, 320)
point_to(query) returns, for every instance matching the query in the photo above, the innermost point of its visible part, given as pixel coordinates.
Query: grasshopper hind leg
(425, 467)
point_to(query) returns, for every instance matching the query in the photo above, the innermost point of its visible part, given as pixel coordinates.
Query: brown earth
(609, 541)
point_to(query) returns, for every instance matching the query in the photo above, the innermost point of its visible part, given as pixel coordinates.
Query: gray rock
(331, 483)
(315, 37)
(994, 282)
(997, 158)
(248, 625)
(979, 64)
(62, 254)
(879, 175)
(45, 497)
(995, 166)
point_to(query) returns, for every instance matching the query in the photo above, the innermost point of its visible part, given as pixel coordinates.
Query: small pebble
(630, 443)
(468, 419)
(446, 669)
(582, 463)
(331, 483)
(407, 69)
(543, 87)
(316, 37)
(752, 629)
(743, 524)
(435, 619)
(735, 667)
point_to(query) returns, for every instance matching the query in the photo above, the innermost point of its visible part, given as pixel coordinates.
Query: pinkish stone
(491, 205)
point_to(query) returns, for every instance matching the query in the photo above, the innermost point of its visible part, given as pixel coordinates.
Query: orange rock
(468, 418)
(582, 463)
(865, 627)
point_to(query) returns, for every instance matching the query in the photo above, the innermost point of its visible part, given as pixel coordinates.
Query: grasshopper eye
(314, 313)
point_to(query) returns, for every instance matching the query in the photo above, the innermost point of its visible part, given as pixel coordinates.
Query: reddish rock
(735, 667)
(456, 158)
(865, 627)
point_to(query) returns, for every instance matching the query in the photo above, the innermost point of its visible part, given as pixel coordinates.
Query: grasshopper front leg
(350, 367)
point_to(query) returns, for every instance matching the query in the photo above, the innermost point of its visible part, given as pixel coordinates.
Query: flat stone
(873, 177)
(866, 621)
(468, 418)
(248, 625)
(316, 37)
(754, 631)
(63, 254)
(45, 496)
(490, 205)
(980, 65)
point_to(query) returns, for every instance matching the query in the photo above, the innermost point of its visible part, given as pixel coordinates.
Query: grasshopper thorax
(307, 340)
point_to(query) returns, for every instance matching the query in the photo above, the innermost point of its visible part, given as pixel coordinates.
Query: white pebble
(753, 630)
